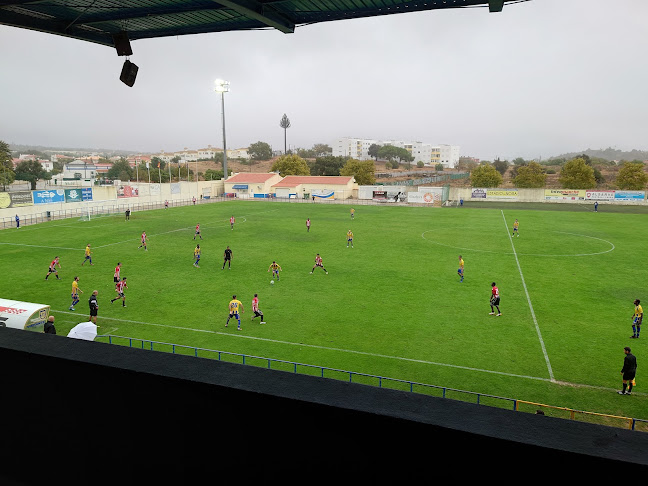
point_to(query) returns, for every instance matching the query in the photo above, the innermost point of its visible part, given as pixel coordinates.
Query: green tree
(327, 166)
(290, 165)
(531, 175)
(120, 170)
(373, 151)
(501, 166)
(7, 175)
(485, 176)
(632, 176)
(439, 167)
(32, 171)
(576, 174)
(420, 164)
(362, 170)
(216, 175)
(57, 168)
(260, 151)
(157, 160)
(322, 150)
(306, 153)
(285, 124)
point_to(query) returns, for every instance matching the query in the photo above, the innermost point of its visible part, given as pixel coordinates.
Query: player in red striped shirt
(318, 263)
(144, 238)
(197, 233)
(255, 309)
(494, 300)
(232, 220)
(117, 271)
(52, 268)
(119, 288)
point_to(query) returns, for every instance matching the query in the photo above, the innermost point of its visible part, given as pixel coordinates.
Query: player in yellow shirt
(197, 256)
(234, 307)
(461, 268)
(350, 238)
(75, 292)
(352, 213)
(88, 254)
(276, 268)
(637, 317)
(516, 226)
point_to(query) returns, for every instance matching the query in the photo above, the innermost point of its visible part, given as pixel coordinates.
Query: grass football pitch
(391, 306)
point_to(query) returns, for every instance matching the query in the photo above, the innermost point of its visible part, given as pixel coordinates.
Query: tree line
(576, 173)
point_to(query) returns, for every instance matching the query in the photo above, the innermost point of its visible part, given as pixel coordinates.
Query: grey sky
(538, 79)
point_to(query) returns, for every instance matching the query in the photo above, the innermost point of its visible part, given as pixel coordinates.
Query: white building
(358, 148)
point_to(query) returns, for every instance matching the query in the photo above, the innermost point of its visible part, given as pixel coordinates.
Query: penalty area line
(327, 348)
(526, 292)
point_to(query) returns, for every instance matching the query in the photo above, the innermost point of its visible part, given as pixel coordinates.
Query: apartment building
(358, 148)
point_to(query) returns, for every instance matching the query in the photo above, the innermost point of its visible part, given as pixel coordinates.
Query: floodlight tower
(222, 87)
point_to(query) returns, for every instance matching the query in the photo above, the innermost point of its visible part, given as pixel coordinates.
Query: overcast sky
(538, 79)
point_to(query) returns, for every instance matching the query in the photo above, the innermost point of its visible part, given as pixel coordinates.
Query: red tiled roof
(294, 181)
(250, 177)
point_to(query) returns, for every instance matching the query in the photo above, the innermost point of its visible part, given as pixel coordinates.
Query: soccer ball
(271, 282)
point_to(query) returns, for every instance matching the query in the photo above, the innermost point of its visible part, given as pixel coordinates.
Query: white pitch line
(41, 246)
(327, 348)
(526, 291)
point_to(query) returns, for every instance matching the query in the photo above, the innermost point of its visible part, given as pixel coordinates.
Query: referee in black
(628, 371)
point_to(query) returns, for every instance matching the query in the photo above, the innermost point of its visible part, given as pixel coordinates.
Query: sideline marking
(41, 246)
(612, 247)
(327, 348)
(526, 291)
(467, 368)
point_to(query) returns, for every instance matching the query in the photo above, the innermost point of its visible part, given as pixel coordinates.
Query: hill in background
(609, 153)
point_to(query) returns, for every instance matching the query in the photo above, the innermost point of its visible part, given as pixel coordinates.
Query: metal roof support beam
(255, 10)
(495, 5)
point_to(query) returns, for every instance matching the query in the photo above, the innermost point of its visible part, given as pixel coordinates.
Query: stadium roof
(99, 20)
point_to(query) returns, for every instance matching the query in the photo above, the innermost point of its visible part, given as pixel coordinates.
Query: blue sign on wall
(629, 195)
(46, 197)
(86, 193)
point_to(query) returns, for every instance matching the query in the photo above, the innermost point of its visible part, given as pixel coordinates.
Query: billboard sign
(127, 191)
(599, 195)
(478, 194)
(565, 194)
(629, 195)
(48, 197)
(15, 199)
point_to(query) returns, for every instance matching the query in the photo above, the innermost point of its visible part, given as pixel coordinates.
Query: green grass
(392, 306)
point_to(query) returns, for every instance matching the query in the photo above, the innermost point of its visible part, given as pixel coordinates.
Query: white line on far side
(526, 291)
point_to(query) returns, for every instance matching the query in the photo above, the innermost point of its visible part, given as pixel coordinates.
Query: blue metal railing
(294, 367)
(248, 359)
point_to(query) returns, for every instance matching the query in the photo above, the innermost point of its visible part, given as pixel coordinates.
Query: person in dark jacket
(628, 371)
(49, 326)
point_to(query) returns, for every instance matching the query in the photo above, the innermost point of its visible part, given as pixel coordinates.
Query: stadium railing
(119, 208)
(382, 382)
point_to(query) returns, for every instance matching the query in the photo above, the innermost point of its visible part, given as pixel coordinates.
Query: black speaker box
(128, 73)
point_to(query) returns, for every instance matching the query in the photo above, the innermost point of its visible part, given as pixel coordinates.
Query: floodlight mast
(221, 86)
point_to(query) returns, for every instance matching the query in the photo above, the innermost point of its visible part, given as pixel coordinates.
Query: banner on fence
(478, 194)
(425, 195)
(599, 195)
(127, 191)
(565, 194)
(501, 193)
(15, 199)
(629, 195)
(48, 197)
(175, 188)
(155, 189)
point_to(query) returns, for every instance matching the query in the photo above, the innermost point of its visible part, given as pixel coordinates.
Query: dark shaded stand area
(78, 412)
